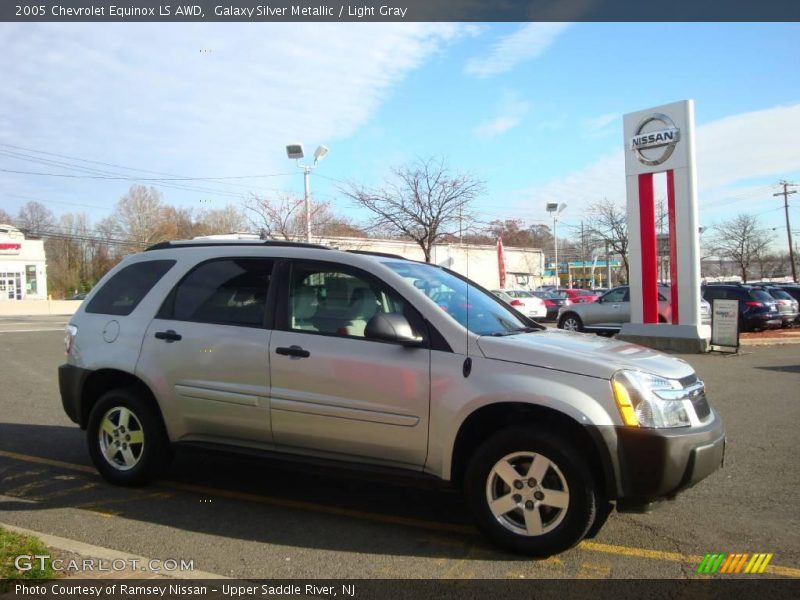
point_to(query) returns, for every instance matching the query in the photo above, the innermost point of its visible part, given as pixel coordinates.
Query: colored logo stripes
(734, 563)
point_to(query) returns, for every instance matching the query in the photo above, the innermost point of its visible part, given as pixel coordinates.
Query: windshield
(471, 307)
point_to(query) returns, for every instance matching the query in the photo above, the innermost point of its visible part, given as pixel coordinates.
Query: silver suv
(373, 359)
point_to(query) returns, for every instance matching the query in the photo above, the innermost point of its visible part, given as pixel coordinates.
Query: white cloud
(730, 152)
(510, 113)
(600, 124)
(527, 43)
(145, 94)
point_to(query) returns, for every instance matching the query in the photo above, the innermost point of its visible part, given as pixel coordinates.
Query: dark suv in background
(757, 309)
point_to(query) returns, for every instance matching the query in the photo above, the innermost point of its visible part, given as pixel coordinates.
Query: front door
(210, 347)
(333, 390)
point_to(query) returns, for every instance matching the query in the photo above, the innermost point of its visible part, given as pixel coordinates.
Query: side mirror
(391, 327)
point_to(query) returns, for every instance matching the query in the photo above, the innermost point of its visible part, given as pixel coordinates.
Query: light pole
(554, 208)
(295, 152)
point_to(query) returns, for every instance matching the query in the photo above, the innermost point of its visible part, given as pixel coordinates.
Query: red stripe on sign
(673, 248)
(647, 231)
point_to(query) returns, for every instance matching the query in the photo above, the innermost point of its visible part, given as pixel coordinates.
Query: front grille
(701, 406)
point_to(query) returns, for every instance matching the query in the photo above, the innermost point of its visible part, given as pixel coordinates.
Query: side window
(337, 302)
(617, 295)
(229, 291)
(122, 293)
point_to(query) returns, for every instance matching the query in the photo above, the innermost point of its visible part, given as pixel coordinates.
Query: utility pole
(785, 193)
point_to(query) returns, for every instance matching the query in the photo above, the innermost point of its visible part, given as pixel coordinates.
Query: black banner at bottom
(400, 589)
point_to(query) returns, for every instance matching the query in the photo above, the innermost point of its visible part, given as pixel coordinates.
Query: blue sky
(533, 109)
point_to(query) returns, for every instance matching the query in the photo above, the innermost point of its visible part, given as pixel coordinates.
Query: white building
(23, 271)
(524, 266)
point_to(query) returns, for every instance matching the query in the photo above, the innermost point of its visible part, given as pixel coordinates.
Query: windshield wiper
(515, 331)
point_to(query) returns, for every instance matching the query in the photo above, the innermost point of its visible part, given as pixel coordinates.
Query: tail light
(549, 303)
(516, 302)
(70, 331)
(754, 304)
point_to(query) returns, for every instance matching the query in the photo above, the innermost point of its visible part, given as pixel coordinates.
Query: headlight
(646, 400)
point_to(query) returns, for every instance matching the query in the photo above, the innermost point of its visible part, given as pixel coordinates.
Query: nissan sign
(655, 139)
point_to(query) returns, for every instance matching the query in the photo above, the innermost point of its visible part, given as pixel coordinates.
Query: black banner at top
(398, 10)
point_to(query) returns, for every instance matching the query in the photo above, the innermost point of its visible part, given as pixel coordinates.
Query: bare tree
(284, 217)
(608, 225)
(35, 219)
(423, 202)
(5, 218)
(229, 219)
(741, 240)
(139, 217)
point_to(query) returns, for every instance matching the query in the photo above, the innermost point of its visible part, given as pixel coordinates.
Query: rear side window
(122, 293)
(231, 291)
(761, 296)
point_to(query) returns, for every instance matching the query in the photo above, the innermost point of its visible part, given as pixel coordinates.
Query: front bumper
(654, 464)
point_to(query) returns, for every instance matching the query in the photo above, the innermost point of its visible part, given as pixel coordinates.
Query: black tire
(742, 325)
(562, 527)
(151, 456)
(562, 322)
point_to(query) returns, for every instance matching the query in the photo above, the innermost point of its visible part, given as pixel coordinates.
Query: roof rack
(276, 243)
(381, 254)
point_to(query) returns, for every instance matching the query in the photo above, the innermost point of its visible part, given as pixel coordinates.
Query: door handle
(169, 336)
(293, 351)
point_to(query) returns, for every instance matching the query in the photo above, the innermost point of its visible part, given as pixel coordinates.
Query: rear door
(209, 346)
(333, 390)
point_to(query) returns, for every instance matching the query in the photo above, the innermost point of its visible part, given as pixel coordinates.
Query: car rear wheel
(531, 492)
(571, 322)
(127, 441)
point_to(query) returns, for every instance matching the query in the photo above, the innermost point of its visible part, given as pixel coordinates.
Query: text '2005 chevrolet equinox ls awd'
(374, 359)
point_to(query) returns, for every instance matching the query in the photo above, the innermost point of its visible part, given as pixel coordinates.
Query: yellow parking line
(48, 461)
(590, 546)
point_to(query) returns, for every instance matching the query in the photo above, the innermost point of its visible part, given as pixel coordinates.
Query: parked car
(793, 290)
(609, 312)
(599, 290)
(380, 362)
(757, 309)
(553, 301)
(79, 296)
(788, 307)
(705, 311)
(527, 303)
(577, 295)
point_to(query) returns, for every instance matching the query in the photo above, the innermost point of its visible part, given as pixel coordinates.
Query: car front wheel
(531, 492)
(127, 442)
(571, 322)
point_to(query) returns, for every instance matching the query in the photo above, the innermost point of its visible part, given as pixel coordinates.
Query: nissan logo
(655, 139)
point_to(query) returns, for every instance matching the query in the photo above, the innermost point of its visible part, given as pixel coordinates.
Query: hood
(584, 354)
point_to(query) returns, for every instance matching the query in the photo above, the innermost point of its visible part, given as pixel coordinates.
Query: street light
(554, 208)
(295, 152)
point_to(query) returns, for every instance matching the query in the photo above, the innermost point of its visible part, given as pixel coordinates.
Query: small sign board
(725, 325)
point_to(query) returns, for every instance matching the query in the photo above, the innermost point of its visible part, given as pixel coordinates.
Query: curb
(769, 341)
(88, 550)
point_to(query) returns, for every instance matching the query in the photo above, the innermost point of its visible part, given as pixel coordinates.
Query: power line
(168, 181)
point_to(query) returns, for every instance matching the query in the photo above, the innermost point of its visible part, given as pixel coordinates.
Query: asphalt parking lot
(246, 517)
